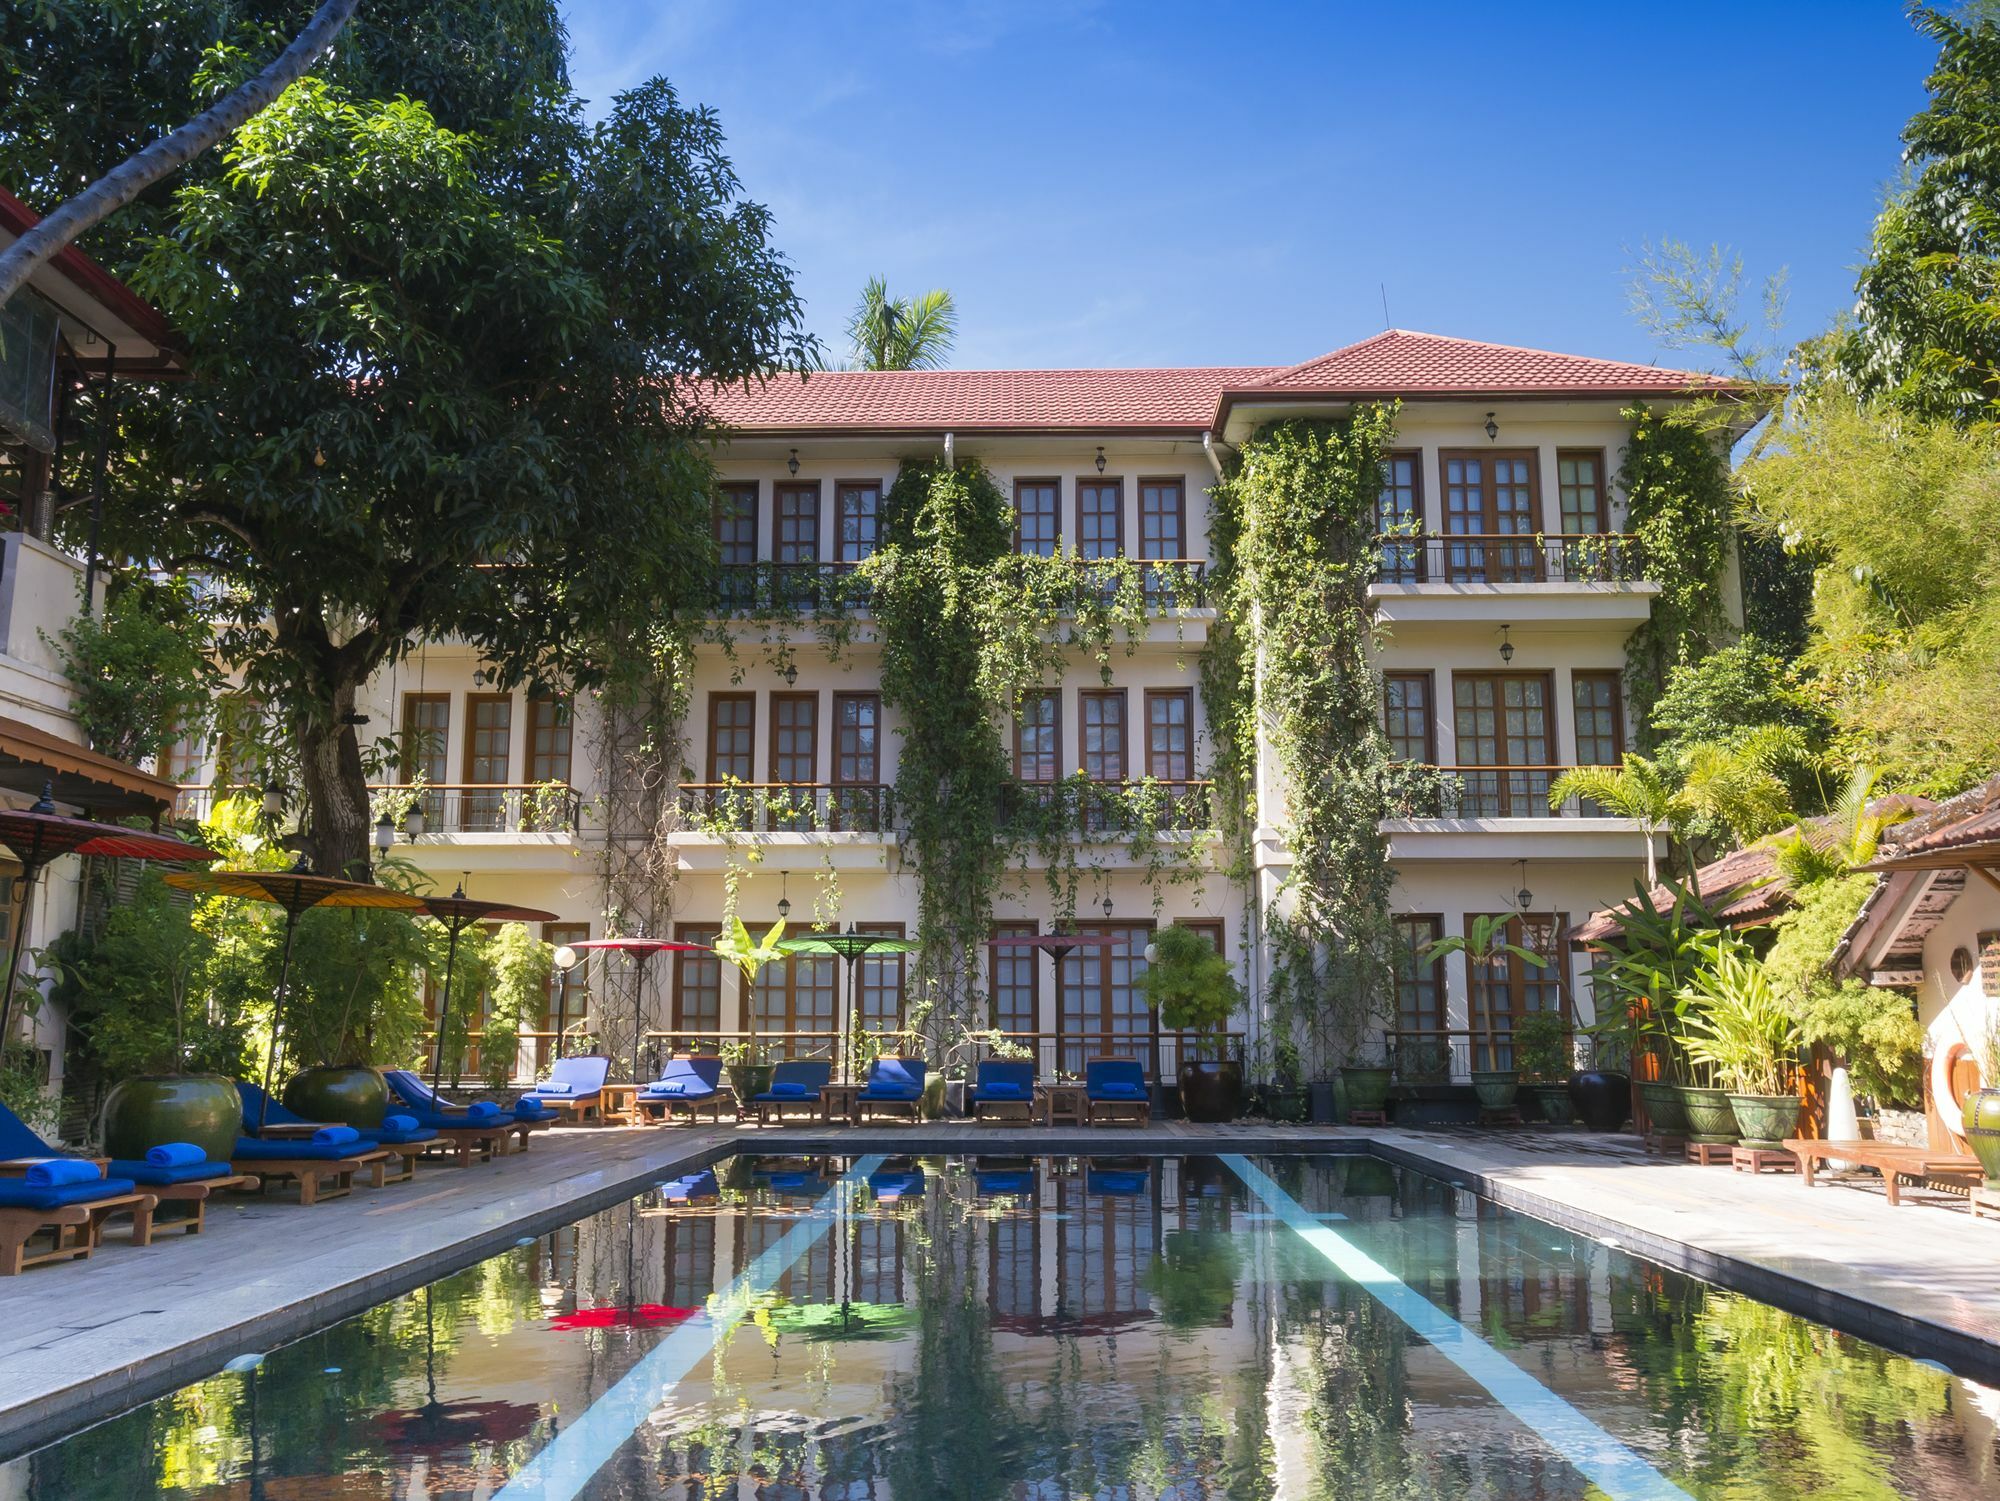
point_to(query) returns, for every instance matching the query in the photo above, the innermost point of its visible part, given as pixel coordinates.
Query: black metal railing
(1110, 808)
(1580, 558)
(819, 587)
(1417, 791)
(788, 807)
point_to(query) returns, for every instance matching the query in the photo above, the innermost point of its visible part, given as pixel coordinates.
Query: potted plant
(1657, 953)
(1285, 1096)
(143, 997)
(1542, 1054)
(1738, 1026)
(749, 1075)
(1190, 985)
(1484, 945)
(1982, 1106)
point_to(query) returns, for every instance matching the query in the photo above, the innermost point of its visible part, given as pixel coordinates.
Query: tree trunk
(336, 793)
(133, 176)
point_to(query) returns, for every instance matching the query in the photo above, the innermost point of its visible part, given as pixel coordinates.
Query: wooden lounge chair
(190, 1195)
(690, 1084)
(1003, 1088)
(265, 1119)
(794, 1086)
(459, 1135)
(1115, 1092)
(574, 1087)
(320, 1173)
(74, 1215)
(1895, 1163)
(894, 1085)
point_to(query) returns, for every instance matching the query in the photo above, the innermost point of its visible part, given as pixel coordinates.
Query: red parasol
(458, 912)
(38, 835)
(641, 950)
(296, 890)
(640, 1316)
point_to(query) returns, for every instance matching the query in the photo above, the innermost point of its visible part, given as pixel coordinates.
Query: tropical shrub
(1190, 984)
(1541, 1047)
(1733, 1022)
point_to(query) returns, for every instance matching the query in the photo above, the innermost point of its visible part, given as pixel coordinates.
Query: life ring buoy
(1950, 1109)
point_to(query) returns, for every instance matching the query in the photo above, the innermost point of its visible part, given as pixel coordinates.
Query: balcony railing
(1481, 792)
(818, 587)
(449, 808)
(1444, 1055)
(1111, 808)
(1576, 558)
(788, 807)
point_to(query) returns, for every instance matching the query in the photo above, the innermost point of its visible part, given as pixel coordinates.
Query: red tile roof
(975, 400)
(16, 219)
(1400, 363)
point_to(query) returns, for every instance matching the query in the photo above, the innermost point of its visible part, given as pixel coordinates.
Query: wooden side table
(837, 1102)
(618, 1105)
(1067, 1104)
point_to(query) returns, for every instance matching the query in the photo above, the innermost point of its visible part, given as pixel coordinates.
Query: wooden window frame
(1152, 696)
(1055, 514)
(779, 492)
(566, 709)
(901, 961)
(1597, 456)
(1115, 483)
(1516, 984)
(1617, 681)
(1054, 694)
(842, 488)
(1553, 735)
(1086, 696)
(410, 701)
(738, 488)
(1148, 1039)
(1179, 483)
(1415, 456)
(1428, 677)
(1438, 979)
(715, 700)
(469, 751)
(771, 737)
(691, 932)
(833, 739)
(1014, 927)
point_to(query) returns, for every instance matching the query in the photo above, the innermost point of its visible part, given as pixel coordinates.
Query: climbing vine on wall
(1292, 657)
(1682, 511)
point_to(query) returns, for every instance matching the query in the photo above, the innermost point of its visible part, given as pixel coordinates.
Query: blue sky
(1165, 183)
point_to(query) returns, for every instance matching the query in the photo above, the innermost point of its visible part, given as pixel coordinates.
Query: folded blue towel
(163, 1175)
(483, 1110)
(60, 1172)
(528, 1108)
(1118, 1089)
(335, 1136)
(553, 1086)
(15, 1193)
(789, 1089)
(399, 1123)
(174, 1154)
(1004, 1089)
(668, 1086)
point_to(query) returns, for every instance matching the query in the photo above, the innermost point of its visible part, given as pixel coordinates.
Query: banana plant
(750, 955)
(1482, 945)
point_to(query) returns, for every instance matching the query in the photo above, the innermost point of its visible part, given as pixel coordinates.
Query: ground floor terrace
(1539, 1312)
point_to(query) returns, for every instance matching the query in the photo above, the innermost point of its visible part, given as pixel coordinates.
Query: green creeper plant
(141, 672)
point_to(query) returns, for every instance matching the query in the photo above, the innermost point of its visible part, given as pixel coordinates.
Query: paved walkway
(80, 1342)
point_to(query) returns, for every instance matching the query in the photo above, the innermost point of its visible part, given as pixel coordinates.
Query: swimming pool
(1053, 1328)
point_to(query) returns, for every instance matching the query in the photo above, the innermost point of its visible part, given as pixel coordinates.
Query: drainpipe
(1213, 451)
(949, 461)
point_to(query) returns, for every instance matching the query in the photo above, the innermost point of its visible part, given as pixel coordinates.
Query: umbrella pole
(28, 874)
(444, 1008)
(638, 1011)
(277, 1011)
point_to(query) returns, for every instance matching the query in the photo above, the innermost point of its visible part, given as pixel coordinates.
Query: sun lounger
(894, 1085)
(462, 1134)
(186, 1184)
(1003, 1088)
(281, 1123)
(321, 1170)
(72, 1206)
(1115, 1092)
(690, 1084)
(794, 1086)
(575, 1086)
(1895, 1163)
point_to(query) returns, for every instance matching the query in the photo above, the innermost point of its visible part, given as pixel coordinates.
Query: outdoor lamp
(1492, 428)
(784, 897)
(1506, 646)
(566, 958)
(1152, 952)
(1107, 906)
(385, 833)
(413, 821)
(793, 462)
(1524, 898)
(790, 674)
(274, 798)
(1100, 458)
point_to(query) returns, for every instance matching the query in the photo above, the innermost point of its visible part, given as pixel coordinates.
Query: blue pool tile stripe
(1599, 1457)
(563, 1468)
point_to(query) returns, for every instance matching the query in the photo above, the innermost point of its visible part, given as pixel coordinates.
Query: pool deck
(83, 1341)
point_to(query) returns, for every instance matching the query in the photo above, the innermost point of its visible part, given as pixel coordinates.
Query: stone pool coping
(81, 1343)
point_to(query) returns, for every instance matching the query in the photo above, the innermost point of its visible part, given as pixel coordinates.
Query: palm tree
(1738, 785)
(1638, 789)
(1484, 945)
(901, 333)
(1844, 840)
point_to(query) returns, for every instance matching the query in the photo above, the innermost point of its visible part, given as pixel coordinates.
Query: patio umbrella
(458, 912)
(295, 890)
(38, 835)
(641, 951)
(853, 946)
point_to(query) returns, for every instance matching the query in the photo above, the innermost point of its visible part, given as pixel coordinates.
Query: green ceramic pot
(1982, 1132)
(752, 1079)
(1709, 1116)
(1496, 1088)
(1664, 1107)
(1552, 1100)
(154, 1109)
(1367, 1088)
(1766, 1119)
(1286, 1102)
(342, 1094)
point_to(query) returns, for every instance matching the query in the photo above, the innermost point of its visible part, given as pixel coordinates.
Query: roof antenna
(1384, 286)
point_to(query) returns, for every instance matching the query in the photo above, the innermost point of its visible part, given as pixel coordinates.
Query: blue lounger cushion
(789, 1089)
(672, 1088)
(174, 1154)
(157, 1175)
(383, 1136)
(18, 1194)
(554, 1086)
(61, 1172)
(1005, 1089)
(1118, 1089)
(891, 1092)
(335, 1136)
(252, 1149)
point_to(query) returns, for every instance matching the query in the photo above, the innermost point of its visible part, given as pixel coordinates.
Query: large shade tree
(439, 330)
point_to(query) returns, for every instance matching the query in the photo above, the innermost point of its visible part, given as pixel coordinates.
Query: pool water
(1053, 1328)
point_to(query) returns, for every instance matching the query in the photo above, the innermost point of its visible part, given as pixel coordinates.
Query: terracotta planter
(1496, 1088)
(1709, 1116)
(1665, 1107)
(1766, 1119)
(1552, 1100)
(342, 1094)
(1603, 1099)
(1211, 1089)
(1367, 1088)
(1982, 1131)
(154, 1109)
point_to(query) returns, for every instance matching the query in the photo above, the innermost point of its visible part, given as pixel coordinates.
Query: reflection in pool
(1053, 1328)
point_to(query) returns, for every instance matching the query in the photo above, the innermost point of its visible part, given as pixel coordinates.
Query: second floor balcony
(816, 587)
(1072, 808)
(449, 810)
(1584, 558)
(725, 808)
(1482, 792)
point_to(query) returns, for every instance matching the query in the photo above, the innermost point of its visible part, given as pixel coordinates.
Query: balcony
(1108, 810)
(787, 807)
(767, 588)
(1583, 558)
(1447, 813)
(544, 808)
